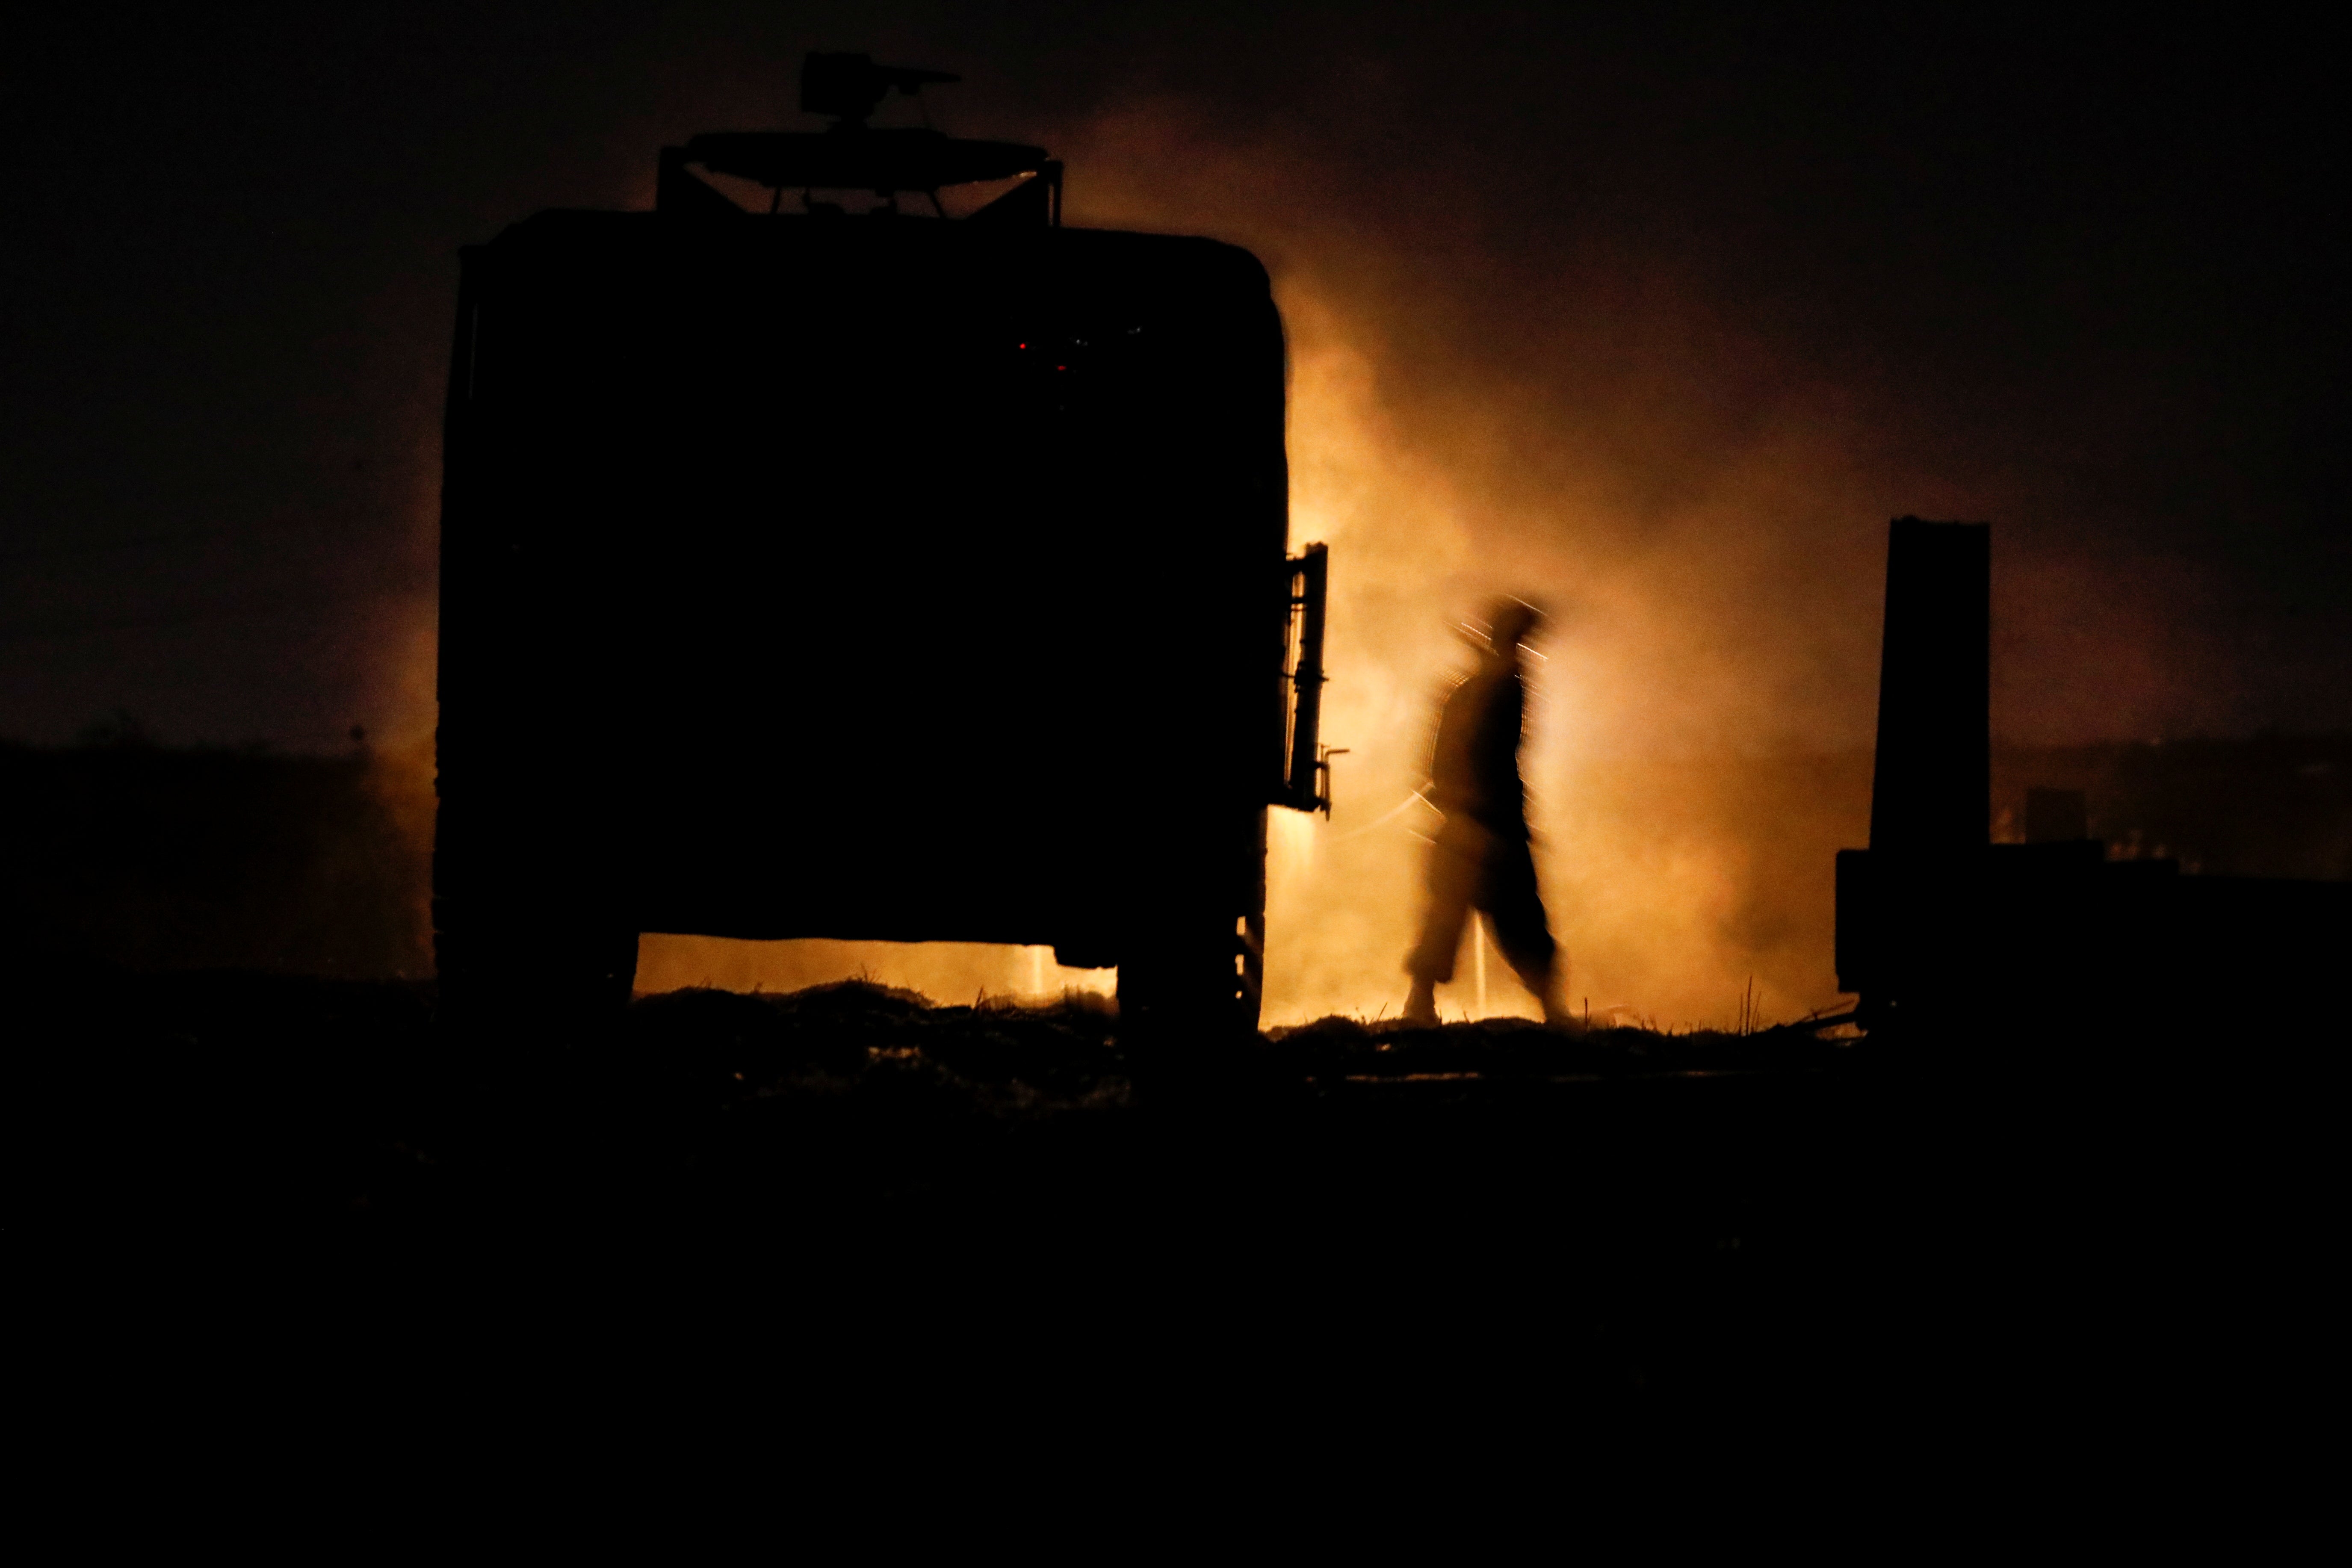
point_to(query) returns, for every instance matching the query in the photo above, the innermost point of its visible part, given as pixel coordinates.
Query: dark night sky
(2087, 267)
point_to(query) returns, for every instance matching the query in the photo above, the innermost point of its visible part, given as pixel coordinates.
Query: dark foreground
(1694, 1223)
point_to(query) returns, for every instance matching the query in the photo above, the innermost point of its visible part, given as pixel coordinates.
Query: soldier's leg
(1454, 872)
(1515, 913)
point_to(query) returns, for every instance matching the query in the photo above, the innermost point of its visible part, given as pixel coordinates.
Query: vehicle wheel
(1249, 998)
(533, 973)
(1199, 981)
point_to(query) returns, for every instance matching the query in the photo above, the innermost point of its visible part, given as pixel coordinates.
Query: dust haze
(1687, 549)
(1711, 572)
(1701, 500)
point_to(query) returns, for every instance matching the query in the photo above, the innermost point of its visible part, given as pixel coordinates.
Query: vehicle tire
(528, 950)
(531, 973)
(1205, 979)
(1249, 998)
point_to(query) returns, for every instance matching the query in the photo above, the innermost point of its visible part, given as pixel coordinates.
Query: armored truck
(868, 573)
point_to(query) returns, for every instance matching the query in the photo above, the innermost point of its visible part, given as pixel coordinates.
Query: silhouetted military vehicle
(817, 572)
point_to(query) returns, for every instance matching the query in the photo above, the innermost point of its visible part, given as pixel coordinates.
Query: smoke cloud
(1711, 569)
(1661, 332)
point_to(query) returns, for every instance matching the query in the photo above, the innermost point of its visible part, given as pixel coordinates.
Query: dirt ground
(1669, 1224)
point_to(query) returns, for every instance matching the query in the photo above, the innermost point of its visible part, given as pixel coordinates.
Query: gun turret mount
(851, 86)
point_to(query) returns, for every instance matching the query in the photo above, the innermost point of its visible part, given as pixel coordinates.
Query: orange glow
(1707, 520)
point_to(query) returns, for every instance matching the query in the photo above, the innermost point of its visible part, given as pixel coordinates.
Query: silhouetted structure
(1931, 782)
(1481, 860)
(871, 577)
(1940, 928)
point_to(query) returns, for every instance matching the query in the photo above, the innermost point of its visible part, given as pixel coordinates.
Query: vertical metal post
(1932, 789)
(1915, 906)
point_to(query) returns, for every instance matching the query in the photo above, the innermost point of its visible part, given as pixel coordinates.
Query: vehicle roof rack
(851, 156)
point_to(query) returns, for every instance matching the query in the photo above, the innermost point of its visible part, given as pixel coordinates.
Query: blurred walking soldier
(1481, 860)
